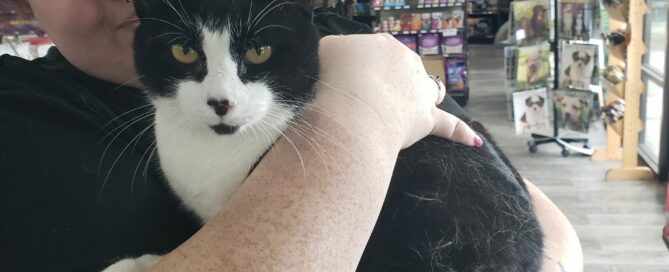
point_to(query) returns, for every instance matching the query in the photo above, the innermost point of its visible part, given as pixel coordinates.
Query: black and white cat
(219, 72)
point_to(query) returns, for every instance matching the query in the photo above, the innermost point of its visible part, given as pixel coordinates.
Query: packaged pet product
(456, 74)
(457, 17)
(436, 20)
(377, 3)
(427, 21)
(416, 22)
(408, 40)
(421, 2)
(398, 26)
(391, 24)
(452, 44)
(428, 2)
(406, 22)
(428, 44)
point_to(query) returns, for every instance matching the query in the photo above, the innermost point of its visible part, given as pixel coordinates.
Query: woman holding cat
(65, 208)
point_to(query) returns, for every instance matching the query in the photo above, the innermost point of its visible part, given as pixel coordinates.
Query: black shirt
(63, 205)
(75, 189)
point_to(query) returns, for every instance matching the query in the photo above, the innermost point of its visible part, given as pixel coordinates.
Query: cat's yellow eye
(259, 55)
(185, 55)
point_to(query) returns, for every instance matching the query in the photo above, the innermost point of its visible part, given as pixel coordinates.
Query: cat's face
(227, 65)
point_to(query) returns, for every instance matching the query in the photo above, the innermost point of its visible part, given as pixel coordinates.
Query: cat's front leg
(140, 264)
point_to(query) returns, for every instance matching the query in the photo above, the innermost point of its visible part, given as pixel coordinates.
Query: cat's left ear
(307, 5)
(142, 7)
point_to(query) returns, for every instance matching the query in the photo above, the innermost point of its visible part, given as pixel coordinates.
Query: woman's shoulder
(59, 88)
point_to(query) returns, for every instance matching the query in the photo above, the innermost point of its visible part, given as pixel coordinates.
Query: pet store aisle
(619, 223)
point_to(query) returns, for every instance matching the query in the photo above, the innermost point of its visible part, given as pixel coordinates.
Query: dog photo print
(573, 109)
(530, 111)
(577, 65)
(530, 21)
(575, 19)
(533, 66)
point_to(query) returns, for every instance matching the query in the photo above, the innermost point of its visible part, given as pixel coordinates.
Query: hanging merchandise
(530, 23)
(613, 112)
(577, 63)
(573, 109)
(533, 66)
(456, 74)
(575, 19)
(530, 111)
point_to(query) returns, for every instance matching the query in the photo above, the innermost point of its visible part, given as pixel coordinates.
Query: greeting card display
(530, 110)
(533, 66)
(575, 19)
(530, 23)
(577, 63)
(573, 109)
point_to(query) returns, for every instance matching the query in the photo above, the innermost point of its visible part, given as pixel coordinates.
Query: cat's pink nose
(220, 106)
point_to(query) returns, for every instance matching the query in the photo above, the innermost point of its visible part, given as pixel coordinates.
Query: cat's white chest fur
(202, 167)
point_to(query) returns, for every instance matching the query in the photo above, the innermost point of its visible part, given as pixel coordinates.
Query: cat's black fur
(448, 208)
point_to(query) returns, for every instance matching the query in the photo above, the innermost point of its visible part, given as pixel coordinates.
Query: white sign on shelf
(450, 32)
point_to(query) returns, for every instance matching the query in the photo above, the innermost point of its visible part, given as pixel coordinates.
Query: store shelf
(486, 39)
(426, 31)
(484, 13)
(418, 7)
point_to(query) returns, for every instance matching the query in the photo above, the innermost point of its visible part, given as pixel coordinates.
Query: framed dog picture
(533, 66)
(575, 19)
(530, 111)
(577, 63)
(530, 23)
(573, 109)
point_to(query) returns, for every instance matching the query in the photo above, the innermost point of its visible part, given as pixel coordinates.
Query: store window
(655, 37)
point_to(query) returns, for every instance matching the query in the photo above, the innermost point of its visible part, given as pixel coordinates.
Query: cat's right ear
(142, 7)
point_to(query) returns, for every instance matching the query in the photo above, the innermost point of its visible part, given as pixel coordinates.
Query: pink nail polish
(478, 142)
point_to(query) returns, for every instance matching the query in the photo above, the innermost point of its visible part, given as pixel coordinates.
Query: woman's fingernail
(478, 142)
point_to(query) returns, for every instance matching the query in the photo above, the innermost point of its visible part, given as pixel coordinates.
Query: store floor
(619, 223)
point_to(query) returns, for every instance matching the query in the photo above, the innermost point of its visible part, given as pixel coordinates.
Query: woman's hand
(378, 76)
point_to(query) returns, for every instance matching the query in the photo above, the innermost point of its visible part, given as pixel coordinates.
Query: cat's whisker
(126, 124)
(347, 95)
(174, 40)
(128, 82)
(104, 182)
(167, 33)
(163, 21)
(190, 21)
(141, 159)
(261, 12)
(248, 18)
(181, 16)
(311, 107)
(123, 114)
(277, 26)
(148, 161)
(104, 153)
(269, 11)
(304, 169)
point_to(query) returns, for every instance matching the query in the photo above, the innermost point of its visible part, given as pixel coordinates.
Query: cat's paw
(140, 264)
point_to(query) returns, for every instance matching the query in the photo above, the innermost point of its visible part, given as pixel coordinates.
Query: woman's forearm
(282, 220)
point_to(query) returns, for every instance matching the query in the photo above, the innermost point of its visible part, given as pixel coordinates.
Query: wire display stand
(567, 144)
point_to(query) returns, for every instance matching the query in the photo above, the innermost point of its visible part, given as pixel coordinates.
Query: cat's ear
(307, 5)
(142, 7)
